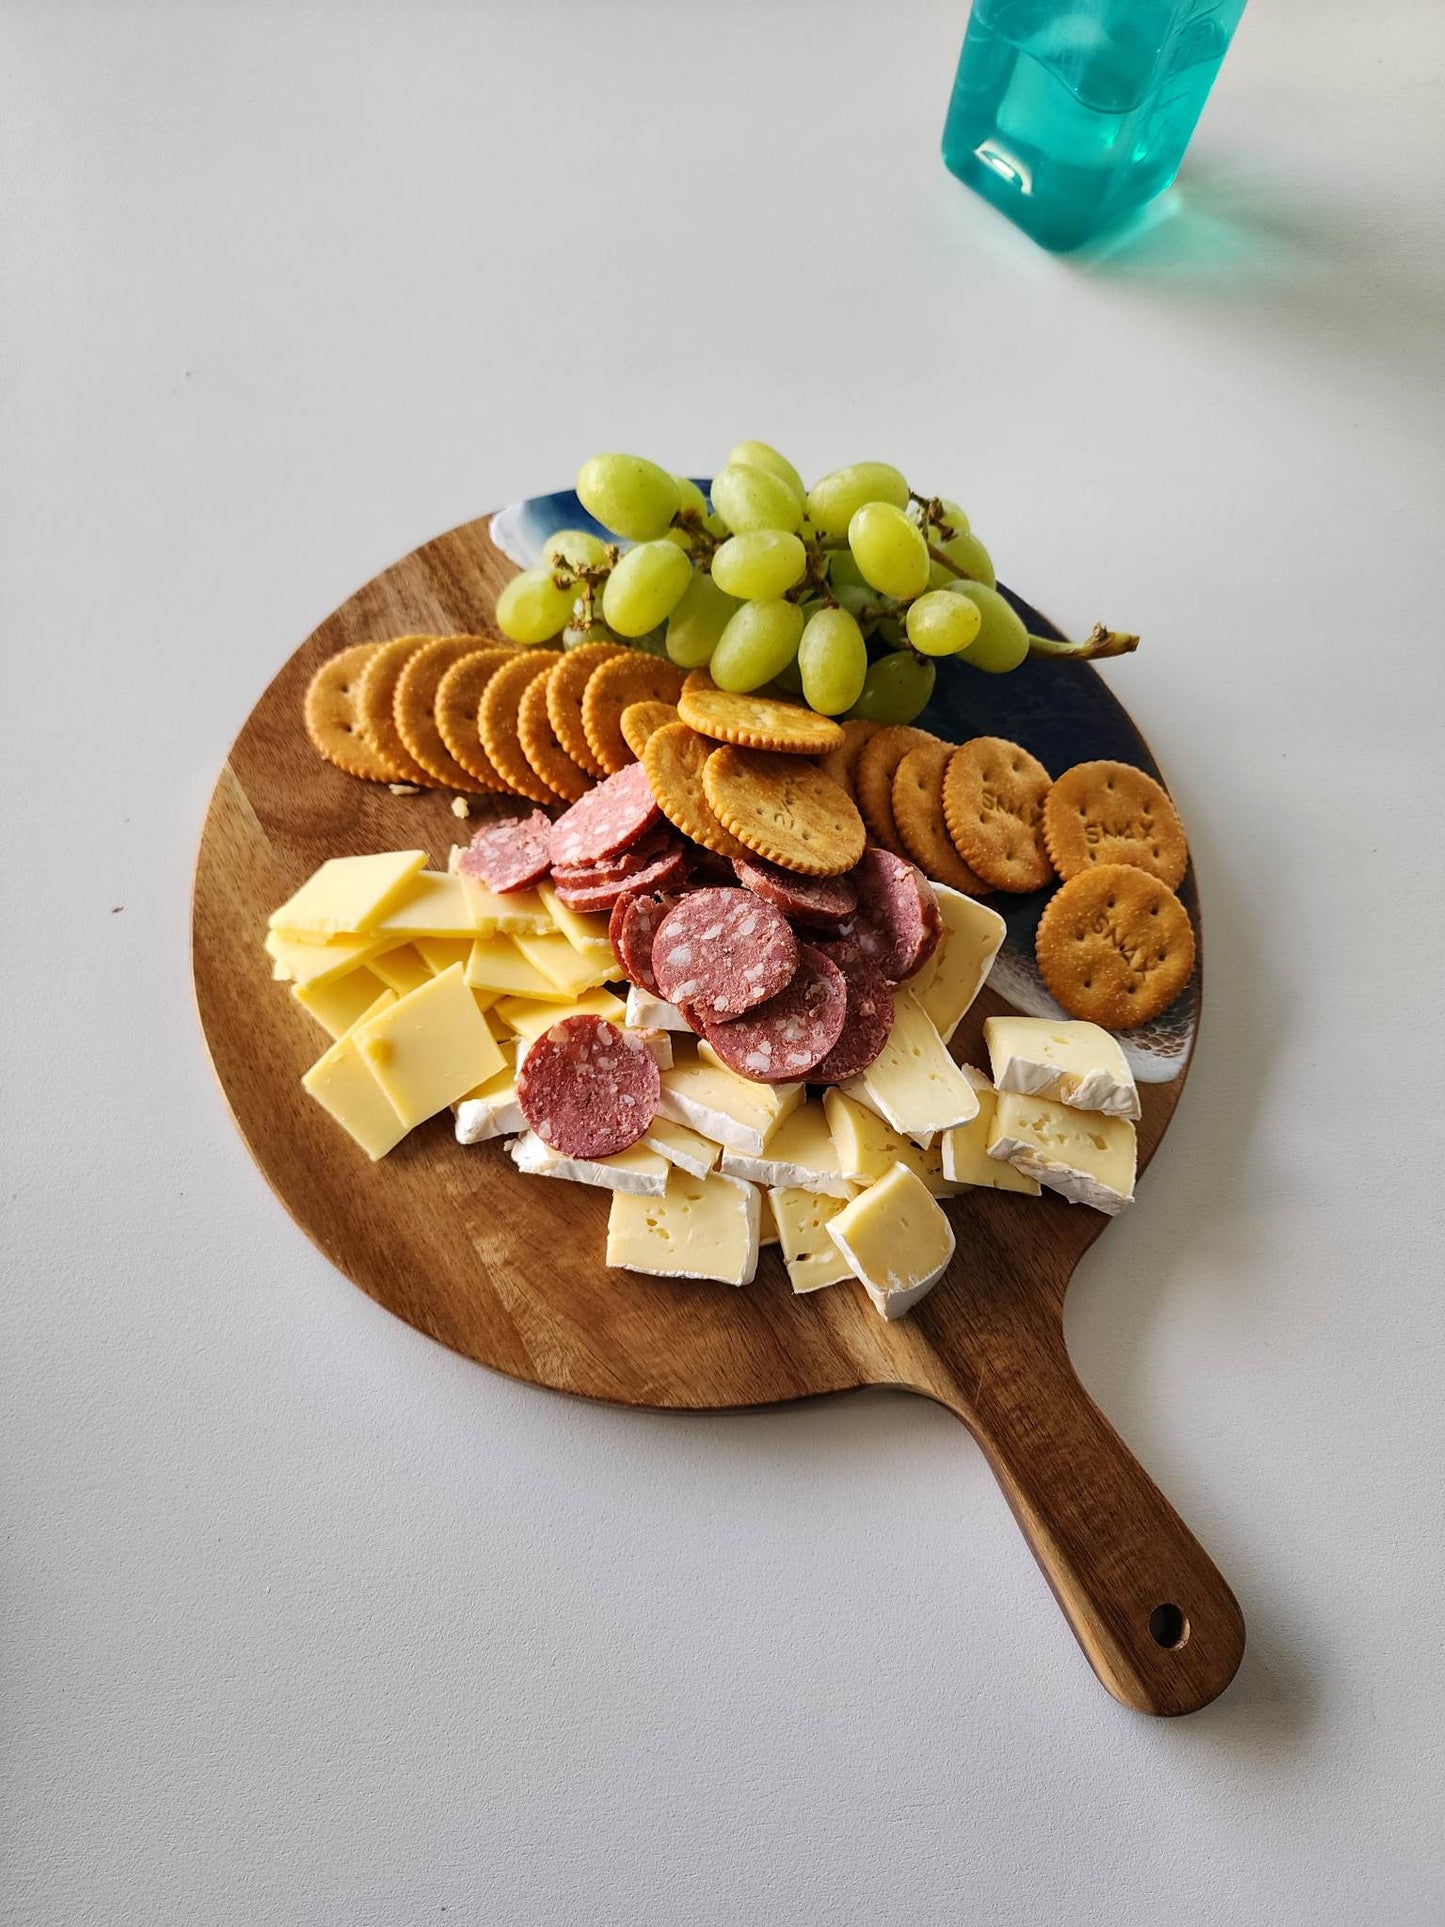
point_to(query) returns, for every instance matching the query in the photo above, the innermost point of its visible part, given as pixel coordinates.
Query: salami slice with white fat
(855, 939)
(820, 902)
(722, 951)
(587, 1088)
(866, 1023)
(665, 872)
(899, 901)
(510, 854)
(614, 869)
(791, 1034)
(635, 923)
(612, 817)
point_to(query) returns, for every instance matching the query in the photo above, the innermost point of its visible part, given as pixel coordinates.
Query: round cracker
(540, 745)
(375, 707)
(918, 814)
(632, 677)
(993, 803)
(1115, 946)
(674, 757)
(497, 722)
(414, 708)
(785, 809)
(331, 719)
(1105, 812)
(565, 690)
(458, 698)
(641, 720)
(873, 774)
(842, 762)
(756, 721)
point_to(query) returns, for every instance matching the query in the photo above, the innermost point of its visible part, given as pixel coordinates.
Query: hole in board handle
(1168, 1627)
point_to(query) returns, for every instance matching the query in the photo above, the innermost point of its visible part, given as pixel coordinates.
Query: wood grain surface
(509, 1270)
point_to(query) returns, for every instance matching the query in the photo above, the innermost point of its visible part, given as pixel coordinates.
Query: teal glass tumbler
(1069, 115)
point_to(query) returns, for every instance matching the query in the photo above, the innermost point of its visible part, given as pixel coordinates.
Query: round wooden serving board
(509, 1270)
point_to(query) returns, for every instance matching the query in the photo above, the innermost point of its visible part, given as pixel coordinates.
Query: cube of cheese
(700, 1228)
(1073, 1063)
(965, 1147)
(896, 1239)
(868, 1148)
(342, 1083)
(968, 942)
(810, 1255)
(732, 1110)
(347, 895)
(639, 1172)
(1086, 1156)
(430, 1048)
(800, 1154)
(913, 1084)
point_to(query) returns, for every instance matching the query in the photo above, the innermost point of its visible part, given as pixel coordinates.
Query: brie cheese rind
(965, 1148)
(700, 1228)
(896, 1239)
(799, 1155)
(644, 1012)
(637, 1171)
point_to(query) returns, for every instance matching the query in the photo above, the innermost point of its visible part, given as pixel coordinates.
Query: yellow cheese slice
(347, 894)
(440, 953)
(495, 963)
(430, 1048)
(433, 905)
(401, 969)
(339, 1001)
(586, 934)
(566, 967)
(529, 1018)
(342, 1083)
(296, 961)
(511, 913)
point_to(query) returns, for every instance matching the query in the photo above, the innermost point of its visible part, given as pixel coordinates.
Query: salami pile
(787, 977)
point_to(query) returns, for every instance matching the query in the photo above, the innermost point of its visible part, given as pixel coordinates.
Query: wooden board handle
(1156, 1621)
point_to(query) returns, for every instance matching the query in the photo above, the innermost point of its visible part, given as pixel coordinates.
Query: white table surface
(307, 1620)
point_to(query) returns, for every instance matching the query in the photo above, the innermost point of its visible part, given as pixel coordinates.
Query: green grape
(531, 608)
(679, 538)
(628, 494)
(833, 660)
(654, 643)
(896, 688)
(573, 549)
(940, 624)
(759, 455)
(762, 563)
(1002, 641)
(575, 634)
(690, 496)
(645, 587)
(971, 556)
(856, 597)
(843, 571)
(696, 623)
(833, 502)
(889, 551)
(750, 498)
(954, 519)
(758, 642)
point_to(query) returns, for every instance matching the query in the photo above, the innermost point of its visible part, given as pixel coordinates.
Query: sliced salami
(587, 1088)
(820, 902)
(791, 1034)
(899, 901)
(866, 1024)
(663, 873)
(617, 869)
(510, 854)
(721, 952)
(613, 817)
(855, 940)
(634, 924)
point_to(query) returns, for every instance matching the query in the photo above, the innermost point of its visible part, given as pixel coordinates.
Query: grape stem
(1099, 642)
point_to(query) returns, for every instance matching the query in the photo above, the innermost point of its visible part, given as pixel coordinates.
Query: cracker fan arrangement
(725, 909)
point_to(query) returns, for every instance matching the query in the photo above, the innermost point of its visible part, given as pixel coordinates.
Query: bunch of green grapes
(847, 593)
